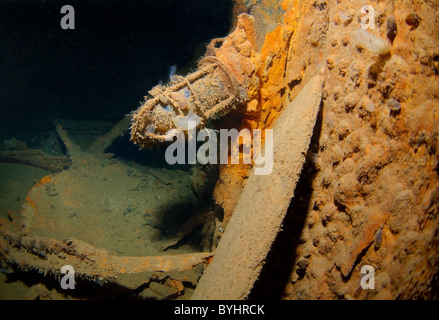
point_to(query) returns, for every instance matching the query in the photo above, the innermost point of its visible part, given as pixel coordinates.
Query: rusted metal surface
(37, 159)
(48, 256)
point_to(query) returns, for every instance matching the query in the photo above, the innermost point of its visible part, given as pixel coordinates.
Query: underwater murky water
(125, 201)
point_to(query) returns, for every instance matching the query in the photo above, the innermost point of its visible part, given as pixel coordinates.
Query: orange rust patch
(209, 260)
(30, 202)
(146, 263)
(44, 180)
(175, 284)
(103, 263)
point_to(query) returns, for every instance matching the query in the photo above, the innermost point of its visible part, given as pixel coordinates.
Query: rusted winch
(218, 86)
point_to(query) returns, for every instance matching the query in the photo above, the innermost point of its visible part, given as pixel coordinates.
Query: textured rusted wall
(373, 170)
